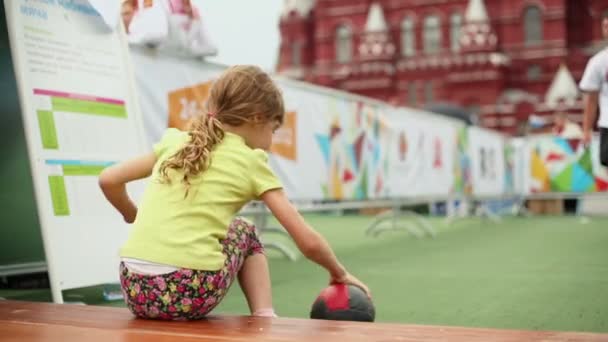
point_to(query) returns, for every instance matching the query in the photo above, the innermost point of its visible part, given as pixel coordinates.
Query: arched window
(296, 54)
(533, 25)
(455, 26)
(408, 38)
(432, 34)
(344, 44)
(412, 94)
(429, 95)
(535, 72)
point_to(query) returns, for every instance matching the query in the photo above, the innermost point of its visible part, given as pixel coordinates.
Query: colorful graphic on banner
(188, 102)
(509, 155)
(462, 164)
(422, 155)
(565, 165)
(355, 152)
(403, 146)
(406, 166)
(185, 103)
(284, 141)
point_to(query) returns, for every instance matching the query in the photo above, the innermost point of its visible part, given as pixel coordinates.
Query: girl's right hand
(349, 279)
(309, 242)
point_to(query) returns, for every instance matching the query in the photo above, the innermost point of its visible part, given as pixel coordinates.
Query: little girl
(186, 246)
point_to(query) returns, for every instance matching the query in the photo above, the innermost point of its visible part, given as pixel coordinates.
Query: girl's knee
(244, 233)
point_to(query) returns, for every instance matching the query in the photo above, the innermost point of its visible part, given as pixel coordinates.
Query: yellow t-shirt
(186, 232)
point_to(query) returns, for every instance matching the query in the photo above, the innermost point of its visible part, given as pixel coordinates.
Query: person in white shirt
(594, 84)
(127, 12)
(187, 33)
(173, 26)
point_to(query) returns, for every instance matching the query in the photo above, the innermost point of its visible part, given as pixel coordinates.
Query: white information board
(80, 114)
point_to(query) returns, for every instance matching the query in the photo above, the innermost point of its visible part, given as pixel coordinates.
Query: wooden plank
(24, 321)
(17, 332)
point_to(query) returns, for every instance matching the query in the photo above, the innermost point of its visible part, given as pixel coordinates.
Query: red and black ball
(340, 302)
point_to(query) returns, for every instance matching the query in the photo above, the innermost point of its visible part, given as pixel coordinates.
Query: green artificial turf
(522, 273)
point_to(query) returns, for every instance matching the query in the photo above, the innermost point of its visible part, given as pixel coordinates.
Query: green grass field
(522, 273)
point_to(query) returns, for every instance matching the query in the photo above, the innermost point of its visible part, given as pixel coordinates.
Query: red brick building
(502, 59)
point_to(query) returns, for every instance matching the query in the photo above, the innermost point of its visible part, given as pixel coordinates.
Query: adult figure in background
(594, 84)
(127, 12)
(173, 26)
(187, 34)
(563, 127)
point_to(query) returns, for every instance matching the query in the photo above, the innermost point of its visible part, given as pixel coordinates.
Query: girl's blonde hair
(239, 94)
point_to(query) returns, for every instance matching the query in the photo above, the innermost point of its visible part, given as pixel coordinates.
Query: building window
(412, 94)
(533, 25)
(344, 44)
(432, 34)
(455, 26)
(428, 93)
(473, 110)
(408, 42)
(534, 72)
(296, 54)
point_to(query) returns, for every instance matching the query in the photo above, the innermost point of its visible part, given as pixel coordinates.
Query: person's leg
(245, 260)
(604, 146)
(570, 205)
(254, 279)
(192, 294)
(254, 275)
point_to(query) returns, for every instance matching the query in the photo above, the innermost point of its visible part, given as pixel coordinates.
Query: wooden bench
(26, 321)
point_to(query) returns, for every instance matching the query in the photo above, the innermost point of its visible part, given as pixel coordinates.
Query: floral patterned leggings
(190, 294)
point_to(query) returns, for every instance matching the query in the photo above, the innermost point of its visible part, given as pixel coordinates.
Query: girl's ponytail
(205, 132)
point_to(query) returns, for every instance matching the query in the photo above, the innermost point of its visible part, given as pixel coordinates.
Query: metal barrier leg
(281, 248)
(465, 211)
(422, 222)
(378, 225)
(520, 208)
(418, 228)
(378, 220)
(484, 212)
(582, 218)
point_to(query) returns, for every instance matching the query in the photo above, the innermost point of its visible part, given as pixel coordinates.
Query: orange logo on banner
(284, 142)
(186, 103)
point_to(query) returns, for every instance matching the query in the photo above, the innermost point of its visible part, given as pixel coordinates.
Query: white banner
(519, 165)
(171, 89)
(333, 145)
(423, 158)
(487, 152)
